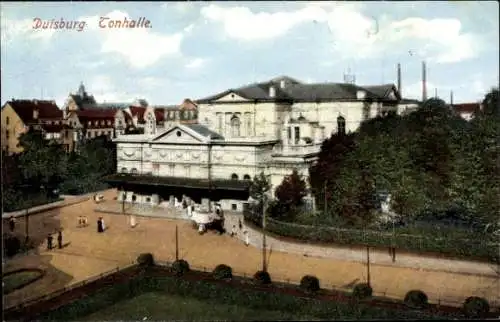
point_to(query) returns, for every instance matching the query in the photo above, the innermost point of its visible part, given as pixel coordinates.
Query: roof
(112, 105)
(204, 131)
(139, 112)
(159, 114)
(97, 113)
(149, 180)
(85, 101)
(46, 109)
(466, 107)
(298, 91)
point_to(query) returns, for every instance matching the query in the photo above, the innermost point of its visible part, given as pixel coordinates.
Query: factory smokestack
(451, 98)
(399, 80)
(424, 82)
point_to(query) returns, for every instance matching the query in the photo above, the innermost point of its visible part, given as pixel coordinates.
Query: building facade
(18, 116)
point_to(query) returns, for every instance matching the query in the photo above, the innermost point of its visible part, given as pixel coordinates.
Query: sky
(198, 49)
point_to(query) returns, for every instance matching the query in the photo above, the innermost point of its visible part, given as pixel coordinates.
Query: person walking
(49, 241)
(59, 239)
(99, 225)
(12, 223)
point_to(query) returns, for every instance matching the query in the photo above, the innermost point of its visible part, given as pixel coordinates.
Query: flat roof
(150, 180)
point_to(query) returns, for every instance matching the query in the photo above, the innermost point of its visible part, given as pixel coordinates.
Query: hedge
(459, 247)
(206, 290)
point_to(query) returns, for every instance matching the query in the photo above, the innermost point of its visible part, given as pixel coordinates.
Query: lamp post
(264, 245)
(368, 277)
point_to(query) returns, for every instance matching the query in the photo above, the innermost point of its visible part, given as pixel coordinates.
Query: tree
(292, 190)
(258, 191)
(289, 196)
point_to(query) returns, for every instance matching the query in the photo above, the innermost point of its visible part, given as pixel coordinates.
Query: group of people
(82, 221)
(59, 240)
(245, 233)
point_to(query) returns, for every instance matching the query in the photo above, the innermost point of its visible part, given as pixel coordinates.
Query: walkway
(90, 253)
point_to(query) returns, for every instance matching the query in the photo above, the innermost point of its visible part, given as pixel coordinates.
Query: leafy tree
(289, 193)
(258, 191)
(292, 190)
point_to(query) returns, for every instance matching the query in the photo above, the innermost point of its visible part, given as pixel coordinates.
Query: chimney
(435, 92)
(272, 91)
(399, 80)
(451, 98)
(424, 82)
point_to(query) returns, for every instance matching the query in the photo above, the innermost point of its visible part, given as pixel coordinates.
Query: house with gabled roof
(19, 116)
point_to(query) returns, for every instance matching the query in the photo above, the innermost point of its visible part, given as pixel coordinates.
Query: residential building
(88, 124)
(466, 110)
(185, 113)
(18, 116)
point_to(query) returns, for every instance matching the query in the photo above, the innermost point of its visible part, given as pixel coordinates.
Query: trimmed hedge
(262, 277)
(476, 246)
(180, 267)
(362, 291)
(416, 299)
(12, 245)
(204, 290)
(145, 259)
(309, 283)
(476, 307)
(222, 272)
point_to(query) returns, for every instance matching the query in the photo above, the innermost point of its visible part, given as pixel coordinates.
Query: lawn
(157, 306)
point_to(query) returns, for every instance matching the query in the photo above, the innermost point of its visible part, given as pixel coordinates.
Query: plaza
(90, 253)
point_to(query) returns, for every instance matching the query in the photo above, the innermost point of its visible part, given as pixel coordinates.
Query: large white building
(271, 127)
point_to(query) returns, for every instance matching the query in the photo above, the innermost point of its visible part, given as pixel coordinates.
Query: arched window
(234, 176)
(341, 125)
(247, 177)
(235, 126)
(124, 170)
(134, 170)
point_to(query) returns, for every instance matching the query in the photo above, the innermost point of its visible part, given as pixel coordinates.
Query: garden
(177, 291)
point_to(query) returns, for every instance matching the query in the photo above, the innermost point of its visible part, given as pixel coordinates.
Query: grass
(12, 281)
(160, 306)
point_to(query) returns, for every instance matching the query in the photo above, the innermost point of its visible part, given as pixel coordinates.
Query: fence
(480, 247)
(69, 288)
(280, 281)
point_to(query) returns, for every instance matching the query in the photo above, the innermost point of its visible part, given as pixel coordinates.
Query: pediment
(231, 97)
(177, 135)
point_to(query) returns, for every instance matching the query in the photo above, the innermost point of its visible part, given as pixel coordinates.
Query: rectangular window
(219, 118)
(7, 120)
(297, 134)
(289, 131)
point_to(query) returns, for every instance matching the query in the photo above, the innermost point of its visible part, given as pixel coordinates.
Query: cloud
(14, 29)
(196, 63)
(352, 34)
(140, 47)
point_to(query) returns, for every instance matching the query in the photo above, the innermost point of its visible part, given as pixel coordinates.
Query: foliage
(416, 299)
(204, 290)
(259, 189)
(180, 267)
(262, 277)
(309, 283)
(11, 244)
(431, 161)
(222, 272)
(362, 291)
(145, 259)
(476, 307)
(450, 242)
(289, 196)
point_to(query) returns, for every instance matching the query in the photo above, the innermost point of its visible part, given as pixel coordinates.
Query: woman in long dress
(132, 221)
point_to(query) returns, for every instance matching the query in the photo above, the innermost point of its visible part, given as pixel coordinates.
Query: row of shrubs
(474, 307)
(463, 248)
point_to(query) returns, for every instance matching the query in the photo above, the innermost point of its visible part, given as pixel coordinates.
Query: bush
(180, 267)
(416, 299)
(476, 307)
(12, 245)
(145, 259)
(262, 277)
(309, 283)
(222, 272)
(362, 291)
